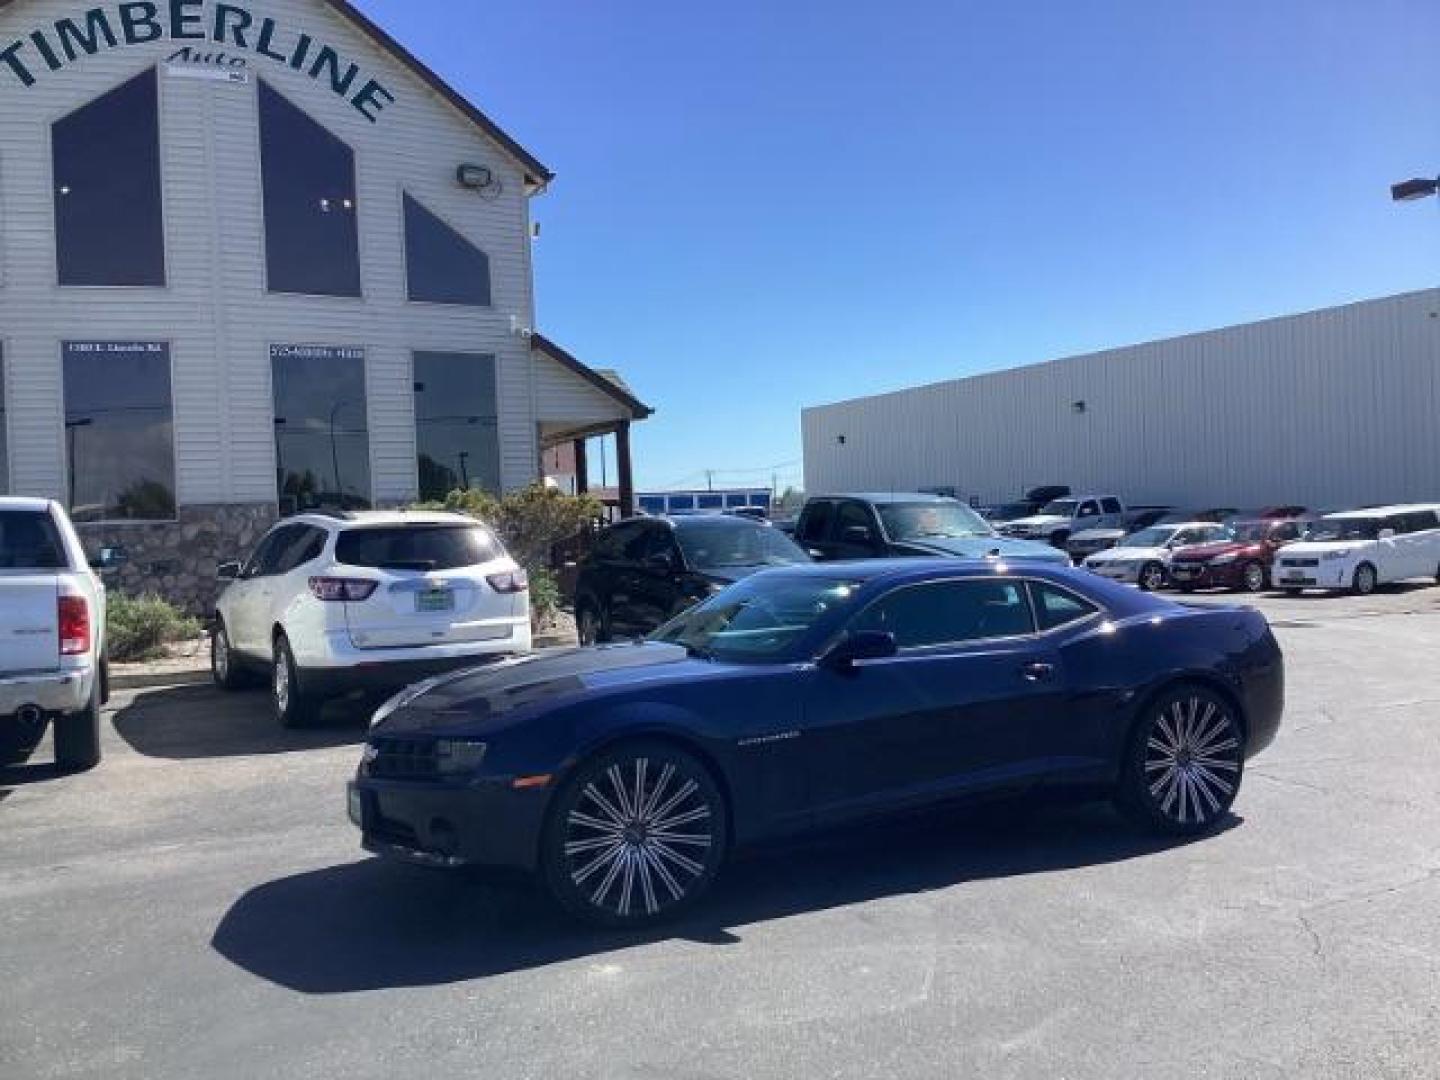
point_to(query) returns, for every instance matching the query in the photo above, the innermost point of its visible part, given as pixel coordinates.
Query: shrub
(139, 629)
(544, 598)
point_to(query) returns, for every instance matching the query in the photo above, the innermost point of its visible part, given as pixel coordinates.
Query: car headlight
(458, 757)
(1331, 556)
(1223, 560)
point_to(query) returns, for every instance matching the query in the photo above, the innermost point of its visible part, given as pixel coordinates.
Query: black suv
(644, 571)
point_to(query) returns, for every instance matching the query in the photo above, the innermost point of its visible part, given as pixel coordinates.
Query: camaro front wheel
(636, 835)
(1184, 762)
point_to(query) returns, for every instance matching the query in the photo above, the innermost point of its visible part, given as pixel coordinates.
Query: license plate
(356, 809)
(435, 600)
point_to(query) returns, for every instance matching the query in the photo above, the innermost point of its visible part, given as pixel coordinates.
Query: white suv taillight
(74, 619)
(344, 590)
(512, 581)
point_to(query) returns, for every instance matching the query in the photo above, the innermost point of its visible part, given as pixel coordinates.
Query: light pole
(1418, 188)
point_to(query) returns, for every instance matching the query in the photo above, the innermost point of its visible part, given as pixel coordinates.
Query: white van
(1360, 549)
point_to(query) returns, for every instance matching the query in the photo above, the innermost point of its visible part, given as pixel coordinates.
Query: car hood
(1134, 554)
(980, 547)
(497, 690)
(728, 575)
(1098, 534)
(1039, 520)
(1206, 552)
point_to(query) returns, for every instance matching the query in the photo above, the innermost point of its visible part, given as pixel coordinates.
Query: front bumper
(483, 823)
(52, 692)
(1328, 575)
(1129, 573)
(1206, 575)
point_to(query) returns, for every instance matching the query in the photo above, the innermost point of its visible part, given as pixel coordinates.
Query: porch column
(627, 475)
(582, 468)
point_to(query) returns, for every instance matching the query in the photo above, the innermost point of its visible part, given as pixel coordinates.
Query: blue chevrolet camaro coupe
(808, 697)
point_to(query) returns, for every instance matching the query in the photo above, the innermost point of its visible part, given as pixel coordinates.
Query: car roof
(16, 502)
(900, 569)
(359, 519)
(1386, 511)
(689, 521)
(882, 498)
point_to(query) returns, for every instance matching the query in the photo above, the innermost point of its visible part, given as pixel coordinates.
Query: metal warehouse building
(257, 258)
(1330, 408)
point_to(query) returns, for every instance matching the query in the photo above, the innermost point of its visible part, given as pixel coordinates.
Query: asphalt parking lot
(199, 907)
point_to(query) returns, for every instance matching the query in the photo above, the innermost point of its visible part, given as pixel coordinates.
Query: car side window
(636, 544)
(816, 524)
(948, 613)
(852, 515)
(613, 541)
(661, 542)
(1056, 607)
(263, 551)
(1282, 534)
(1426, 520)
(1111, 506)
(1088, 509)
(304, 547)
(271, 560)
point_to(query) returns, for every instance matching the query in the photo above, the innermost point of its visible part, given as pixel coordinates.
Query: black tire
(224, 665)
(1253, 578)
(1186, 588)
(592, 624)
(77, 736)
(1151, 577)
(1059, 540)
(1365, 581)
(293, 708)
(605, 863)
(1183, 762)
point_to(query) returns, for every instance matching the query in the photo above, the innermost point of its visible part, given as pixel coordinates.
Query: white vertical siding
(1333, 407)
(215, 311)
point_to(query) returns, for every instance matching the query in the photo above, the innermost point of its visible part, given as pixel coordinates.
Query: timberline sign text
(228, 25)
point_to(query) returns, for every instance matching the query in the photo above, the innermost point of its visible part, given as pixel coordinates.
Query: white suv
(1361, 549)
(52, 636)
(332, 603)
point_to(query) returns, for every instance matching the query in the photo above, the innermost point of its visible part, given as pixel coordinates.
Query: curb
(143, 680)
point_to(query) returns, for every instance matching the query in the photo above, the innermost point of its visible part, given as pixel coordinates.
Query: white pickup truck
(52, 637)
(1059, 519)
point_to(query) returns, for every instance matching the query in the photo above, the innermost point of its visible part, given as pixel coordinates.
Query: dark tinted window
(264, 553)
(643, 541)
(1055, 607)
(271, 558)
(851, 516)
(442, 266)
(303, 545)
(610, 544)
(312, 242)
(322, 438)
(1088, 509)
(1419, 521)
(109, 228)
(456, 428)
(728, 543)
(947, 612)
(815, 523)
(418, 547)
(1110, 506)
(29, 541)
(4, 434)
(119, 435)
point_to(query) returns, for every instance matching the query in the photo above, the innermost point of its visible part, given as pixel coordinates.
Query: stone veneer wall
(177, 560)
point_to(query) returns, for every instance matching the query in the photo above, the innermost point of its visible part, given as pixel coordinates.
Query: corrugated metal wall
(1330, 408)
(215, 311)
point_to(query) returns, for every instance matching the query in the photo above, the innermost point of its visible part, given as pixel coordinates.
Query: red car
(1242, 562)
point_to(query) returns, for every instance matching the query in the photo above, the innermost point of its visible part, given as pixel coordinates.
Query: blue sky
(762, 206)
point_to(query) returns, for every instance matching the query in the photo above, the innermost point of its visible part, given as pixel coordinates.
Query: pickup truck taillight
(339, 589)
(74, 621)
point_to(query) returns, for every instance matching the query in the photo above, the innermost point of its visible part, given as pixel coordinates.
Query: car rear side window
(303, 547)
(948, 613)
(816, 521)
(1055, 607)
(1111, 506)
(30, 541)
(417, 547)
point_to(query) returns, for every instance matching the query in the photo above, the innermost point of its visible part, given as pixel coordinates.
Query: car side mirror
(109, 558)
(866, 645)
(228, 571)
(858, 534)
(1387, 534)
(815, 553)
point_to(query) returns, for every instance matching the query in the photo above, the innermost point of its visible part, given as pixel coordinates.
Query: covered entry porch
(578, 404)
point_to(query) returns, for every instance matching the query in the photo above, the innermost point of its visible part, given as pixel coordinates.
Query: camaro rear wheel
(1184, 762)
(636, 835)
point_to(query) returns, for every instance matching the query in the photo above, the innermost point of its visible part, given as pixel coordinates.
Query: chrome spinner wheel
(1186, 762)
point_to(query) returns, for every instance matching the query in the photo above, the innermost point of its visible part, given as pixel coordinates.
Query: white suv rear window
(28, 541)
(417, 547)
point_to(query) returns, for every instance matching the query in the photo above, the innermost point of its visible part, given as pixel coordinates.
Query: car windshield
(1008, 511)
(1345, 529)
(913, 521)
(1158, 536)
(1061, 508)
(759, 619)
(1251, 532)
(715, 545)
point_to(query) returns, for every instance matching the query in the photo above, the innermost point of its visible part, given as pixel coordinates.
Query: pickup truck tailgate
(29, 623)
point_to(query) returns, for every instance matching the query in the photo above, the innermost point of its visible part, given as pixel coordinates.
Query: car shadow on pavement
(18, 776)
(186, 722)
(374, 924)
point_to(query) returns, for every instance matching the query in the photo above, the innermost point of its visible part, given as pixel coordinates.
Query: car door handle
(1037, 671)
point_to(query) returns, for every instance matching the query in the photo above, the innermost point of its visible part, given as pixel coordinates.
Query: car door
(1393, 551)
(971, 692)
(628, 601)
(1112, 515)
(655, 582)
(1087, 516)
(1426, 539)
(249, 593)
(855, 532)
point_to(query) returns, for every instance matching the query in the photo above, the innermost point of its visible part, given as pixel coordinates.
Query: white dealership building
(255, 258)
(1331, 408)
